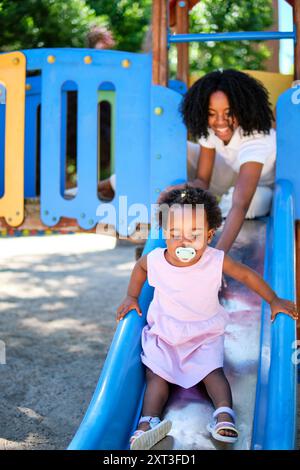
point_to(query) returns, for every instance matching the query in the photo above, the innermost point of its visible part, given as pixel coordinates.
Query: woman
(229, 112)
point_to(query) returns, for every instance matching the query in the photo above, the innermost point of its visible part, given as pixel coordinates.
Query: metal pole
(182, 26)
(233, 36)
(163, 62)
(160, 47)
(156, 14)
(296, 11)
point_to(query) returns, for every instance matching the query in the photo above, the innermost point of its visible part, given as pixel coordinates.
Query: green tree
(214, 16)
(44, 23)
(130, 19)
(64, 23)
(127, 19)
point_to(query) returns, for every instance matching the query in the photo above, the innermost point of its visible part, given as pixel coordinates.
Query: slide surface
(258, 357)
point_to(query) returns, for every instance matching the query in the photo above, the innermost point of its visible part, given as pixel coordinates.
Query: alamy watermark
(184, 216)
(296, 93)
(296, 353)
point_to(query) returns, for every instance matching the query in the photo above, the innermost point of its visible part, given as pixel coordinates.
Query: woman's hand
(129, 303)
(283, 306)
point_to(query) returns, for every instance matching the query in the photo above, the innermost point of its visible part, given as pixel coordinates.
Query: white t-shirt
(257, 147)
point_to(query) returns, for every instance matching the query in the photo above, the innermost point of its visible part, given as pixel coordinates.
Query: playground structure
(146, 131)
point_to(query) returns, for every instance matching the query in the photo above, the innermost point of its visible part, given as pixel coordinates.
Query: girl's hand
(283, 306)
(129, 303)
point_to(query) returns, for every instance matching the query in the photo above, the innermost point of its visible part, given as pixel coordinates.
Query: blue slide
(115, 407)
(267, 360)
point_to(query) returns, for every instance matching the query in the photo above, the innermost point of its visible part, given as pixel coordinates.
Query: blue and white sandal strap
(152, 420)
(224, 409)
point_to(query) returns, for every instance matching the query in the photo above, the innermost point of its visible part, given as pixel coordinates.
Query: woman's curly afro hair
(248, 100)
(194, 196)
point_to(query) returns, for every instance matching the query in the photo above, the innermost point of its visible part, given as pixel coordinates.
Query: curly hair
(194, 196)
(100, 34)
(248, 101)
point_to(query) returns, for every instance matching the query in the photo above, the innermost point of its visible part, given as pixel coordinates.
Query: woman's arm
(205, 168)
(244, 190)
(255, 282)
(204, 171)
(137, 280)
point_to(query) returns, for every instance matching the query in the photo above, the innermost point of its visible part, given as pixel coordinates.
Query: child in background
(183, 341)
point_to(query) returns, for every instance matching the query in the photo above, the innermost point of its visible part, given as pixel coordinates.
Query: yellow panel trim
(12, 76)
(275, 83)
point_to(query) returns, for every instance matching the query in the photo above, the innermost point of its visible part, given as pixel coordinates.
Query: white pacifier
(185, 254)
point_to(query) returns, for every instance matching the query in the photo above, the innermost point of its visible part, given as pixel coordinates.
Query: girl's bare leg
(156, 396)
(218, 388)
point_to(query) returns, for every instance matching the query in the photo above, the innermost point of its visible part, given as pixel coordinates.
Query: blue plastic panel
(132, 86)
(178, 85)
(288, 134)
(144, 139)
(168, 141)
(32, 101)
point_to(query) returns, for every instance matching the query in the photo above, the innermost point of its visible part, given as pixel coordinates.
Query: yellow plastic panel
(12, 76)
(275, 83)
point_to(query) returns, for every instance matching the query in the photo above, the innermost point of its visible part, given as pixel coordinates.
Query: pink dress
(184, 338)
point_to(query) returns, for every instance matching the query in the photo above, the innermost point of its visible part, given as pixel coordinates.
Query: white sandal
(214, 428)
(144, 440)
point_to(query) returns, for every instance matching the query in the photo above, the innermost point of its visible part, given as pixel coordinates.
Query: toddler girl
(183, 340)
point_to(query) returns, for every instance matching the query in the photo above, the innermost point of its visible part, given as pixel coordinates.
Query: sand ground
(58, 296)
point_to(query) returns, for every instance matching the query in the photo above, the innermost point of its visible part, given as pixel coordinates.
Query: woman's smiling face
(220, 118)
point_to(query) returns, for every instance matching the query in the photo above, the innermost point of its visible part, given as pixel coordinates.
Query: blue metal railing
(275, 410)
(233, 36)
(281, 413)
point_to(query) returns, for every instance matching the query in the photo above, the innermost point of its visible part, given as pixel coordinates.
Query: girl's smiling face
(186, 227)
(220, 117)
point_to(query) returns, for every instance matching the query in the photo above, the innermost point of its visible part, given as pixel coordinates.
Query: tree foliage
(26, 24)
(64, 23)
(128, 20)
(226, 16)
